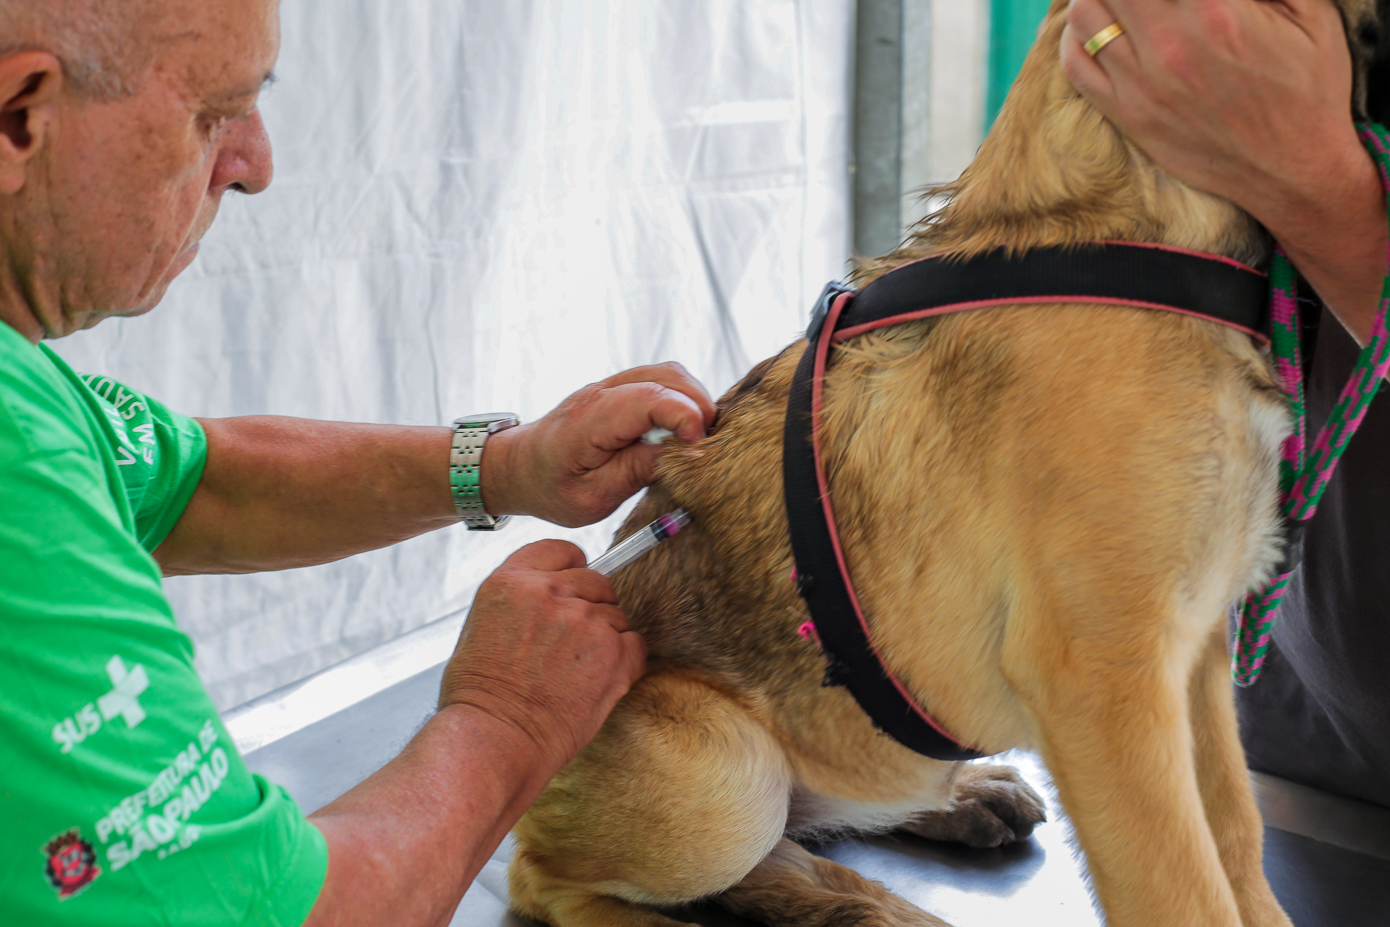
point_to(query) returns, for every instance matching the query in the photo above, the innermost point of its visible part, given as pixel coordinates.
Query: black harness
(1205, 286)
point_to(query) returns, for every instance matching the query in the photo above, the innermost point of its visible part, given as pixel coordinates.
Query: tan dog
(1047, 511)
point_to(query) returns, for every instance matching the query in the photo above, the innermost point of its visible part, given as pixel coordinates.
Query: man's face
(129, 187)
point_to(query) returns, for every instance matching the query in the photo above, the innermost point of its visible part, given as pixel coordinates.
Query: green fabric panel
(1013, 30)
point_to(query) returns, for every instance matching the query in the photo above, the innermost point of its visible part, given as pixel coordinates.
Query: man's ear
(30, 84)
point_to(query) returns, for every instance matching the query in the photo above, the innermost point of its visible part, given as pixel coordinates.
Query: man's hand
(544, 657)
(545, 650)
(578, 464)
(1248, 100)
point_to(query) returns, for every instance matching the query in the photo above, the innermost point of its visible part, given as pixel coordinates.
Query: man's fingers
(615, 617)
(1085, 74)
(1136, 14)
(629, 410)
(1319, 19)
(549, 556)
(634, 655)
(632, 468)
(1088, 17)
(672, 376)
(587, 585)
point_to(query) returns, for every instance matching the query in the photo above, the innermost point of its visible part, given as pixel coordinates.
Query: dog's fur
(1047, 512)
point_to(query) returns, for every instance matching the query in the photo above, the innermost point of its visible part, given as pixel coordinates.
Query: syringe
(667, 526)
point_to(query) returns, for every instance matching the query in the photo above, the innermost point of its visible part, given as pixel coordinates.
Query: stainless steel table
(1328, 858)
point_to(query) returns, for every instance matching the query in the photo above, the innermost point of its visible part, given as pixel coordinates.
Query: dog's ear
(1377, 71)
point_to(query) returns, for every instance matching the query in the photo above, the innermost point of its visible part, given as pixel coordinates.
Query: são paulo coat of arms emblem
(72, 863)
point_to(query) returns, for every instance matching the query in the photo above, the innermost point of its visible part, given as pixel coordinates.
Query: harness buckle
(827, 298)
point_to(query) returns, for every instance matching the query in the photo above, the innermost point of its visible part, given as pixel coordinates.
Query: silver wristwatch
(465, 465)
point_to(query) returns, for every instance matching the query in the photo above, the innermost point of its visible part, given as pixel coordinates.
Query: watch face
(498, 524)
(493, 421)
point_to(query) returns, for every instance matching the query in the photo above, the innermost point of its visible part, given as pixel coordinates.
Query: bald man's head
(106, 46)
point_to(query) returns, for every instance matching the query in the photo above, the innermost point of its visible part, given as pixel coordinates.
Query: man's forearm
(1337, 236)
(280, 493)
(404, 845)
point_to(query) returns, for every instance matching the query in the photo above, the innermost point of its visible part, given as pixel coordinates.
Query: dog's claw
(991, 807)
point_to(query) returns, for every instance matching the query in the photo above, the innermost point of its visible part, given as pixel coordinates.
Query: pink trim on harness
(817, 380)
(829, 337)
(1190, 253)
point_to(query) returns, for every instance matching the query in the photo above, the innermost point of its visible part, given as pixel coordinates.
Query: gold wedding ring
(1103, 38)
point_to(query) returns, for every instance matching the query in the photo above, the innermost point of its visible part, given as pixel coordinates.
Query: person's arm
(1249, 100)
(544, 656)
(279, 493)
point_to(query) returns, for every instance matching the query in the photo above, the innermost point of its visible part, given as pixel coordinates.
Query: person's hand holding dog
(546, 651)
(576, 465)
(1247, 99)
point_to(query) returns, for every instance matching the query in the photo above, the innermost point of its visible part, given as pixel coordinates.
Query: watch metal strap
(465, 466)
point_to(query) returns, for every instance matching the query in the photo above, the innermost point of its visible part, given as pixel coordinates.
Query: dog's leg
(794, 888)
(581, 909)
(1106, 680)
(1225, 783)
(991, 806)
(678, 798)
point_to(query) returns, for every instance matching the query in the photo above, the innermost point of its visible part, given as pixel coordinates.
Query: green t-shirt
(123, 800)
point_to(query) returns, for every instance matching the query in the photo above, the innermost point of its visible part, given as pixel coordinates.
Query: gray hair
(104, 45)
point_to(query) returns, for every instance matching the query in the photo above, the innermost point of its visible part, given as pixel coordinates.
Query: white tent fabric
(482, 206)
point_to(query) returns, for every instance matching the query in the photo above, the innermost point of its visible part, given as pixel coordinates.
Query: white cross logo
(122, 699)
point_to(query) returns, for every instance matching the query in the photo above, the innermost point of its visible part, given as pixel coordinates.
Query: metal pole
(878, 126)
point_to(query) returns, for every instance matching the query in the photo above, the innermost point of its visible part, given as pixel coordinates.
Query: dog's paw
(991, 806)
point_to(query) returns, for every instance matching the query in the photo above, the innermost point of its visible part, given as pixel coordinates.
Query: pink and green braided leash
(1305, 472)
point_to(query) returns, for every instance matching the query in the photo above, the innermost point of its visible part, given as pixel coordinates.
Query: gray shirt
(1320, 712)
